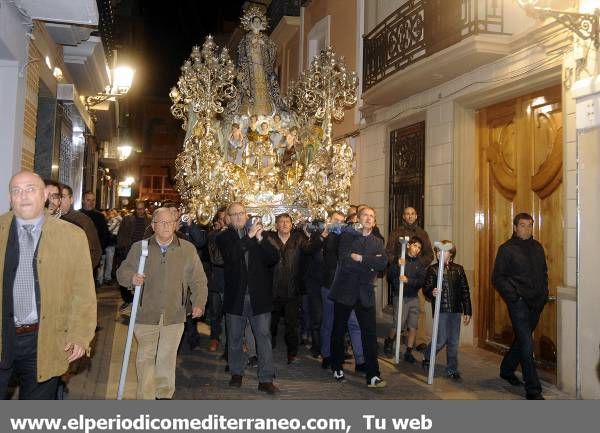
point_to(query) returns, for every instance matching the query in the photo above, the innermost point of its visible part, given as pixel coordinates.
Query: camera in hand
(253, 219)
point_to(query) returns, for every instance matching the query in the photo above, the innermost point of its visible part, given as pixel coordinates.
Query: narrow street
(201, 375)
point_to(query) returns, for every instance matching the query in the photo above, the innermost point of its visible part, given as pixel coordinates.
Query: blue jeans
(261, 327)
(24, 367)
(327, 329)
(449, 336)
(524, 319)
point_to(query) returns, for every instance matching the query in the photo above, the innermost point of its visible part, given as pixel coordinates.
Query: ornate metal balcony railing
(419, 28)
(280, 8)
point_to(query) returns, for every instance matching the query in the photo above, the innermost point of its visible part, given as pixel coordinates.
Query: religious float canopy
(245, 142)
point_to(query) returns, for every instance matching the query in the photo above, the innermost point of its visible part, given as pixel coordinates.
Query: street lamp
(120, 83)
(584, 25)
(124, 152)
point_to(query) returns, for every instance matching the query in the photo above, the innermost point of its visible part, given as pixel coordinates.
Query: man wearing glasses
(171, 267)
(248, 262)
(52, 188)
(48, 313)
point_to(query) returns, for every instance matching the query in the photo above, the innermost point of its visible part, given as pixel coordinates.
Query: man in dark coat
(287, 279)
(521, 276)
(132, 230)
(81, 220)
(248, 259)
(361, 256)
(98, 218)
(410, 228)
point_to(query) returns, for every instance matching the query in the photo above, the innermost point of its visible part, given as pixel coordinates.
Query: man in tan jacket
(171, 267)
(48, 314)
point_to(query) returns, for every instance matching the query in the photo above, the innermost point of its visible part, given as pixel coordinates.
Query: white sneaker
(376, 382)
(338, 375)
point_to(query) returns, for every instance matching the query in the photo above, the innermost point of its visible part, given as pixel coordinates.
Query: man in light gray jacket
(171, 267)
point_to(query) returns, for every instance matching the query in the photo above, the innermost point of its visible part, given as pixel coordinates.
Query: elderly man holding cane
(171, 267)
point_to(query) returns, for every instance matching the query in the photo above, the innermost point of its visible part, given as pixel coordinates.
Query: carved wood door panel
(520, 170)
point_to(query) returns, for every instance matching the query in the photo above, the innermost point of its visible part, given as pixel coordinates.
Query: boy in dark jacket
(455, 302)
(413, 278)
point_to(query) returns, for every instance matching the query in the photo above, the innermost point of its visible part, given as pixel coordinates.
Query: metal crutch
(134, 308)
(443, 249)
(403, 241)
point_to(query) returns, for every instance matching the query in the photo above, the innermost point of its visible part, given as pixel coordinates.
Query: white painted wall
(13, 58)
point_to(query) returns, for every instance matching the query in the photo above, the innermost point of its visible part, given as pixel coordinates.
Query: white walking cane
(134, 308)
(443, 249)
(403, 241)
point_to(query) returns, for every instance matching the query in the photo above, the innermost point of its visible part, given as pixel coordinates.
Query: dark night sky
(170, 29)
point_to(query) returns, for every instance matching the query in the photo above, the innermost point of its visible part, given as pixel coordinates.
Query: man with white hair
(172, 266)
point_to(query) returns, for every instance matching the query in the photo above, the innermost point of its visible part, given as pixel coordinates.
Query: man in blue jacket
(361, 256)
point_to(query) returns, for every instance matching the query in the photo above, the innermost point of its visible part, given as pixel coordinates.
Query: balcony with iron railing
(425, 42)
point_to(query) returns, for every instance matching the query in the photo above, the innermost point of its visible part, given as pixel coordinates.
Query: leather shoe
(536, 396)
(512, 379)
(236, 381)
(268, 387)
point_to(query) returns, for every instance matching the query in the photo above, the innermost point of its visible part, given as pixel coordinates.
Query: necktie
(24, 280)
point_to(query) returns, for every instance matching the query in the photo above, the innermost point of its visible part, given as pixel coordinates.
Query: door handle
(552, 298)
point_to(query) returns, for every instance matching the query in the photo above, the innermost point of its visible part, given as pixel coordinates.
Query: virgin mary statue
(259, 90)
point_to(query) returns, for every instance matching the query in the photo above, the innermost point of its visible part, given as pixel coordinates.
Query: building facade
(468, 113)
(53, 55)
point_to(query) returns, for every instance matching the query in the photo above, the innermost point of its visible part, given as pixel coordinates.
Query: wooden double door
(520, 170)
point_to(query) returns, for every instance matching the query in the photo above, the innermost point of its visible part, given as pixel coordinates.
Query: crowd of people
(243, 280)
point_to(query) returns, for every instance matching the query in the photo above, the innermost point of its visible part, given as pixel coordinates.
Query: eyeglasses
(163, 223)
(15, 192)
(237, 214)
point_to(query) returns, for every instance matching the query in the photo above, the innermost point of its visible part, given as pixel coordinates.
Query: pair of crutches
(134, 308)
(443, 248)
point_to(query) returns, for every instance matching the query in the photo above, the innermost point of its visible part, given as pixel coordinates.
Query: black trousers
(24, 367)
(289, 309)
(368, 331)
(215, 314)
(524, 319)
(315, 305)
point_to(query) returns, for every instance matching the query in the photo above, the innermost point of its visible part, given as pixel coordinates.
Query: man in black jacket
(331, 243)
(287, 279)
(521, 276)
(248, 259)
(361, 256)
